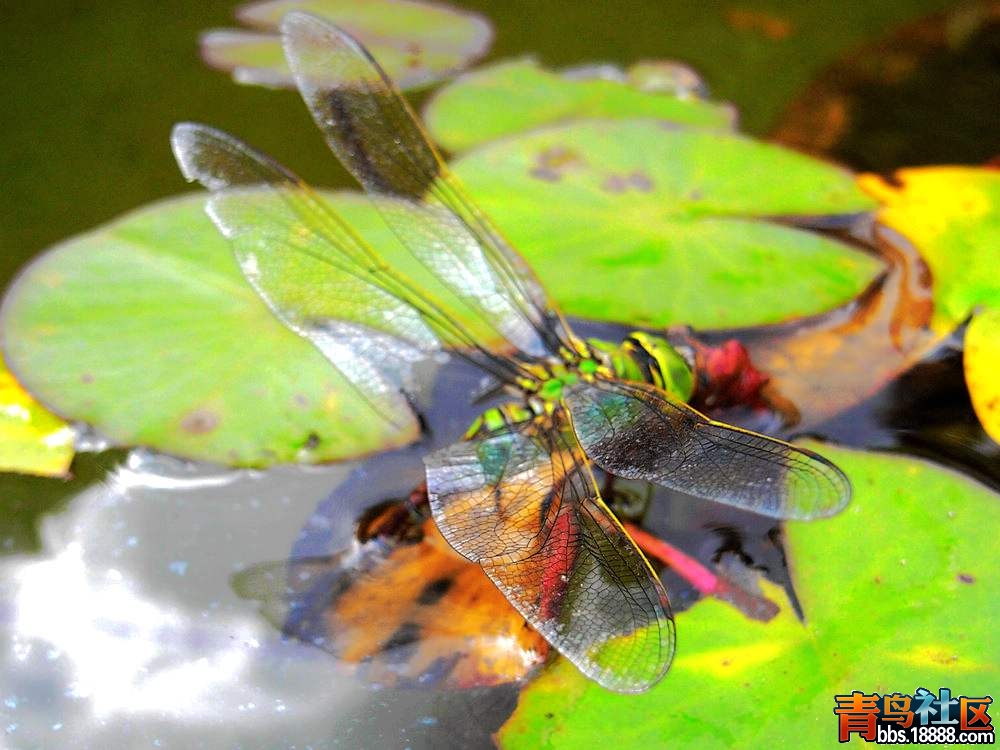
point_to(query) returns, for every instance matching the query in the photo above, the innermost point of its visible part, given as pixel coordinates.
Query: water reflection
(124, 632)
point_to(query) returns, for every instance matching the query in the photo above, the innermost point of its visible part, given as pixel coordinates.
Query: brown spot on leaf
(200, 421)
(87, 377)
(966, 578)
(620, 183)
(614, 183)
(554, 162)
(641, 181)
(545, 174)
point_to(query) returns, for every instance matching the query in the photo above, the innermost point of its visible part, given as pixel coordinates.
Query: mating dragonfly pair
(517, 495)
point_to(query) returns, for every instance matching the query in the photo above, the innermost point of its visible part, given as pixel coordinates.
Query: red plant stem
(686, 566)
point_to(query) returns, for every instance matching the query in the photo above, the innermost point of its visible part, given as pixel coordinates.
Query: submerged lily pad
(952, 215)
(32, 439)
(650, 223)
(982, 363)
(146, 329)
(416, 42)
(519, 95)
(884, 613)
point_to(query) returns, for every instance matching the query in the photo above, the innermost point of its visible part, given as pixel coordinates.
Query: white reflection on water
(124, 631)
(120, 644)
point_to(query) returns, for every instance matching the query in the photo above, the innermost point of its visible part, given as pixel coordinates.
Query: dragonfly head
(660, 364)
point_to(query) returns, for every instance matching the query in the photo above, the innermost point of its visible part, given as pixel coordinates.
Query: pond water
(121, 627)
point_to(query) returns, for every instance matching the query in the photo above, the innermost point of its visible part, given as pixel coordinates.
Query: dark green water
(91, 90)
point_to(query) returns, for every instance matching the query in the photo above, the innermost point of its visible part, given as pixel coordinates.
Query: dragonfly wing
(633, 430)
(374, 133)
(312, 270)
(525, 506)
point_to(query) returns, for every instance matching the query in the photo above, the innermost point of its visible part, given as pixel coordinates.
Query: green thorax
(645, 358)
(641, 357)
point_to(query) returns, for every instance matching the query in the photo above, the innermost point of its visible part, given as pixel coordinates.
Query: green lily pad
(32, 439)
(519, 95)
(887, 587)
(416, 42)
(146, 329)
(952, 215)
(650, 223)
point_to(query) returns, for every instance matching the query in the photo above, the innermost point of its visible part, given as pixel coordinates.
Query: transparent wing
(375, 134)
(524, 505)
(310, 268)
(633, 431)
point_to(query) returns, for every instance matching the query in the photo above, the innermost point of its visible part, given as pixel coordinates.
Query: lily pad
(952, 214)
(884, 613)
(146, 329)
(982, 363)
(32, 439)
(650, 223)
(519, 95)
(416, 42)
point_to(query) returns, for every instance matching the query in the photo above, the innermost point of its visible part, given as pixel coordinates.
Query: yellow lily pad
(952, 215)
(33, 440)
(982, 369)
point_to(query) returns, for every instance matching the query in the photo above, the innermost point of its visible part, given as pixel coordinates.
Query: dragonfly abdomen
(499, 418)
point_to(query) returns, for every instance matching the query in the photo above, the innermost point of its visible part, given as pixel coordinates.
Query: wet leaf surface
(416, 42)
(32, 439)
(890, 615)
(519, 95)
(653, 224)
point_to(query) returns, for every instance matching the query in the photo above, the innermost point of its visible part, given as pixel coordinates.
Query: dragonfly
(517, 494)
